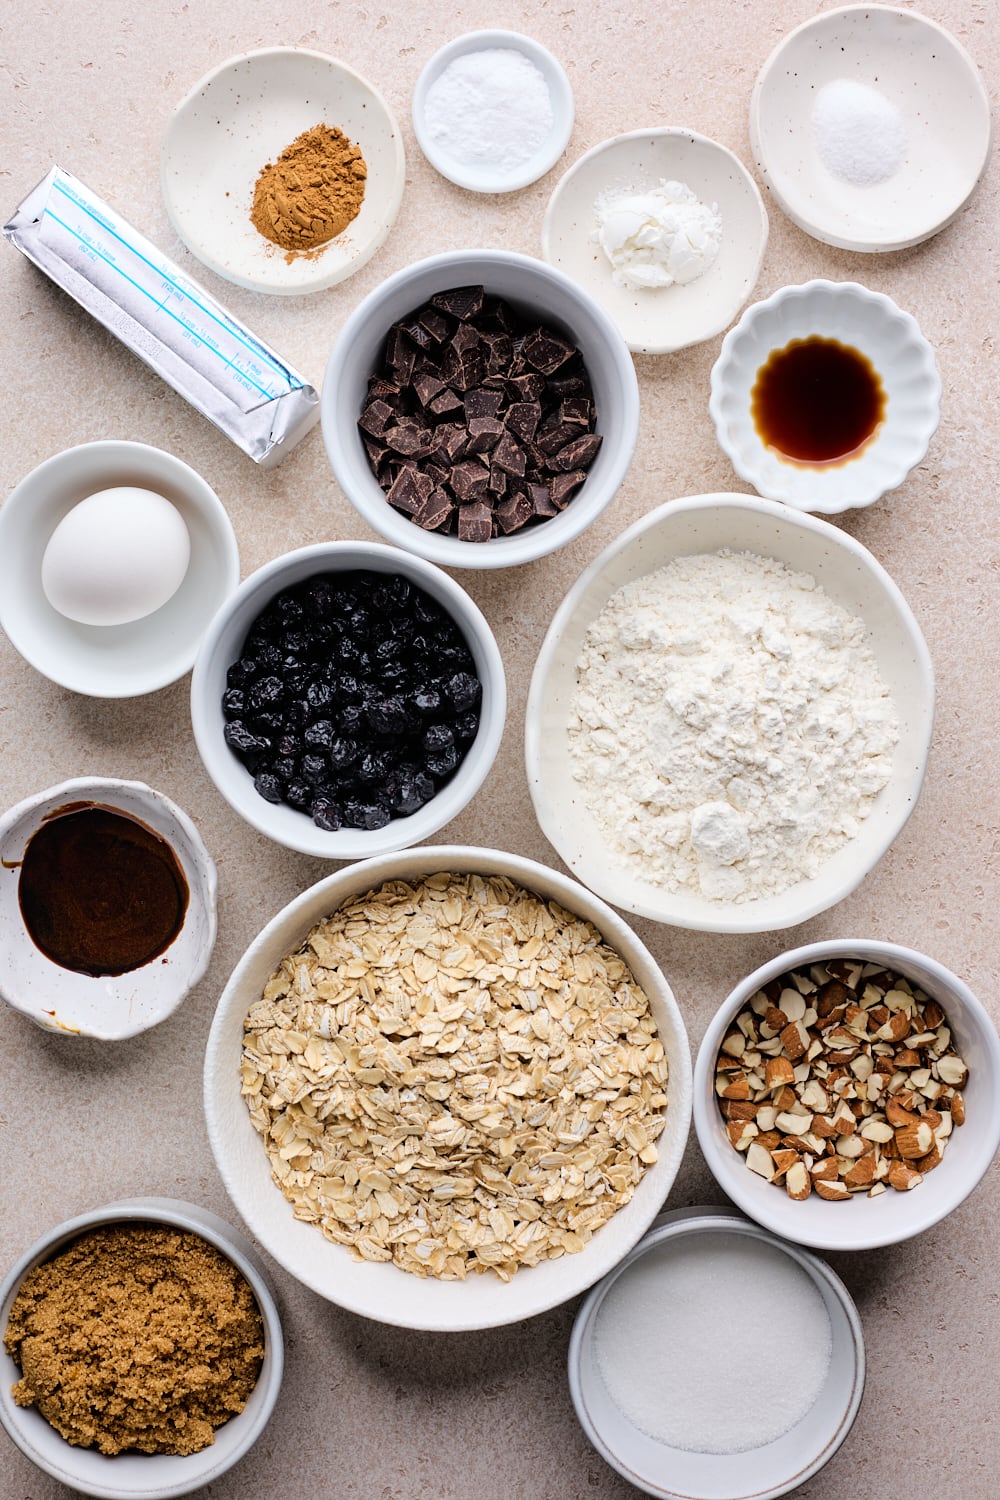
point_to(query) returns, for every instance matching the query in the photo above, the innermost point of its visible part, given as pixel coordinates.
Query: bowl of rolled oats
(847, 1094)
(448, 1089)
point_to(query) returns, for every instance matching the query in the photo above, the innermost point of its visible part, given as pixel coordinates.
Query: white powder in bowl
(673, 1336)
(489, 109)
(860, 134)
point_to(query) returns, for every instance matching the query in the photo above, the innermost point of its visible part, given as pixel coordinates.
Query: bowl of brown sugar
(282, 170)
(142, 1350)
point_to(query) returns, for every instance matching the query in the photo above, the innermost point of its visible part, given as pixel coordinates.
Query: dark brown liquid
(100, 892)
(817, 401)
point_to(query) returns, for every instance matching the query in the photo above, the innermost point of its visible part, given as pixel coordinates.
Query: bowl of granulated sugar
(493, 111)
(661, 1351)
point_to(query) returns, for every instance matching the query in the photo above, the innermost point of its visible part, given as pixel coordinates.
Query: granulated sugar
(860, 134)
(679, 1333)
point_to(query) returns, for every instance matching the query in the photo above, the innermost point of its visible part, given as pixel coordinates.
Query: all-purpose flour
(729, 729)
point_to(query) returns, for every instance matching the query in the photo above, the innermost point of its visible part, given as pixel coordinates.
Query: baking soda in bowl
(679, 1324)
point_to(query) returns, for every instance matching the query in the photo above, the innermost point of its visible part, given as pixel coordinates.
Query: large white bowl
(658, 322)
(131, 1475)
(864, 320)
(851, 577)
(383, 1291)
(241, 116)
(862, 1223)
(108, 1007)
(112, 661)
(922, 71)
(223, 644)
(531, 286)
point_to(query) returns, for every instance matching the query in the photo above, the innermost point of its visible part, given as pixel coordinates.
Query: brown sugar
(312, 191)
(137, 1336)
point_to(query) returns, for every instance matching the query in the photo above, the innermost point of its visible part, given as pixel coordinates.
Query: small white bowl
(658, 322)
(223, 644)
(241, 116)
(862, 1223)
(487, 177)
(530, 286)
(133, 1475)
(383, 1291)
(921, 70)
(851, 577)
(761, 1473)
(111, 661)
(864, 320)
(107, 1007)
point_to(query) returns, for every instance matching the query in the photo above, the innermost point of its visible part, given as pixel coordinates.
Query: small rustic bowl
(108, 1007)
(916, 66)
(658, 322)
(530, 286)
(862, 1223)
(761, 1473)
(112, 661)
(872, 324)
(485, 177)
(241, 116)
(223, 645)
(383, 1291)
(133, 1475)
(851, 577)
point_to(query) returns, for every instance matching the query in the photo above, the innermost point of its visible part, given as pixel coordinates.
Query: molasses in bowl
(825, 396)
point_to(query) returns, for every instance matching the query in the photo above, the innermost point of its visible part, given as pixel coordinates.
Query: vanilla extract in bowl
(817, 402)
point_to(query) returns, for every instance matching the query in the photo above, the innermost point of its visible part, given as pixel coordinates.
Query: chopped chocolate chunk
(551, 439)
(580, 453)
(447, 402)
(562, 487)
(451, 442)
(376, 417)
(514, 512)
(483, 434)
(426, 386)
(436, 511)
(523, 418)
(463, 302)
(576, 409)
(462, 364)
(435, 327)
(541, 501)
(380, 389)
(407, 437)
(496, 485)
(529, 387)
(468, 481)
(482, 403)
(416, 331)
(409, 489)
(400, 355)
(498, 352)
(546, 351)
(378, 456)
(509, 455)
(576, 384)
(475, 522)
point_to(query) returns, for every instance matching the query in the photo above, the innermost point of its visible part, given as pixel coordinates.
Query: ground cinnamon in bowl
(136, 1336)
(311, 192)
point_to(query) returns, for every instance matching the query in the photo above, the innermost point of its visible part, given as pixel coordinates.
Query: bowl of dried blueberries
(348, 699)
(480, 409)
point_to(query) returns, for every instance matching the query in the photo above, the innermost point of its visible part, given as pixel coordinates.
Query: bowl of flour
(729, 718)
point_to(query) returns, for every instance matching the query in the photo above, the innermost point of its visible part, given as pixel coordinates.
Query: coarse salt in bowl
(493, 111)
(530, 286)
(382, 1290)
(851, 578)
(863, 1222)
(131, 1475)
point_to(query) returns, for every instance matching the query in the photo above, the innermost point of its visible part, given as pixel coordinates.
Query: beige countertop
(368, 1412)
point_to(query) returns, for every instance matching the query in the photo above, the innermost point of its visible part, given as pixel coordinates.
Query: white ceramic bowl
(921, 71)
(658, 322)
(490, 176)
(851, 577)
(108, 1007)
(133, 1475)
(223, 645)
(111, 661)
(530, 286)
(761, 1473)
(241, 116)
(383, 1291)
(866, 321)
(863, 1223)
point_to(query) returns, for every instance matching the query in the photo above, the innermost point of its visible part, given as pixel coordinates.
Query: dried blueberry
(319, 735)
(373, 767)
(463, 691)
(247, 744)
(314, 769)
(467, 725)
(443, 762)
(317, 597)
(437, 738)
(427, 701)
(326, 814)
(232, 703)
(265, 694)
(240, 673)
(269, 786)
(285, 767)
(343, 752)
(408, 790)
(387, 715)
(319, 696)
(349, 719)
(367, 815)
(299, 794)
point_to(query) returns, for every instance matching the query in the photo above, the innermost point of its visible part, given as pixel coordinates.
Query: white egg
(116, 557)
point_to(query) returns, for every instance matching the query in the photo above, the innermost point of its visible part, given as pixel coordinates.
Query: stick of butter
(168, 320)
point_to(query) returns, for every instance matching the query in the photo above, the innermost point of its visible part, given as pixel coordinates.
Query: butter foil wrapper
(168, 320)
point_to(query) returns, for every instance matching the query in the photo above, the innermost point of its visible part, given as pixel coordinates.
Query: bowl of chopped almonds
(447, 1089)
(847, 1094)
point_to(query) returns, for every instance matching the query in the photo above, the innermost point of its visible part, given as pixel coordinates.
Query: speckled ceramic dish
(657, 322)
(933, 90)
(875, 327)
(241, 116)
